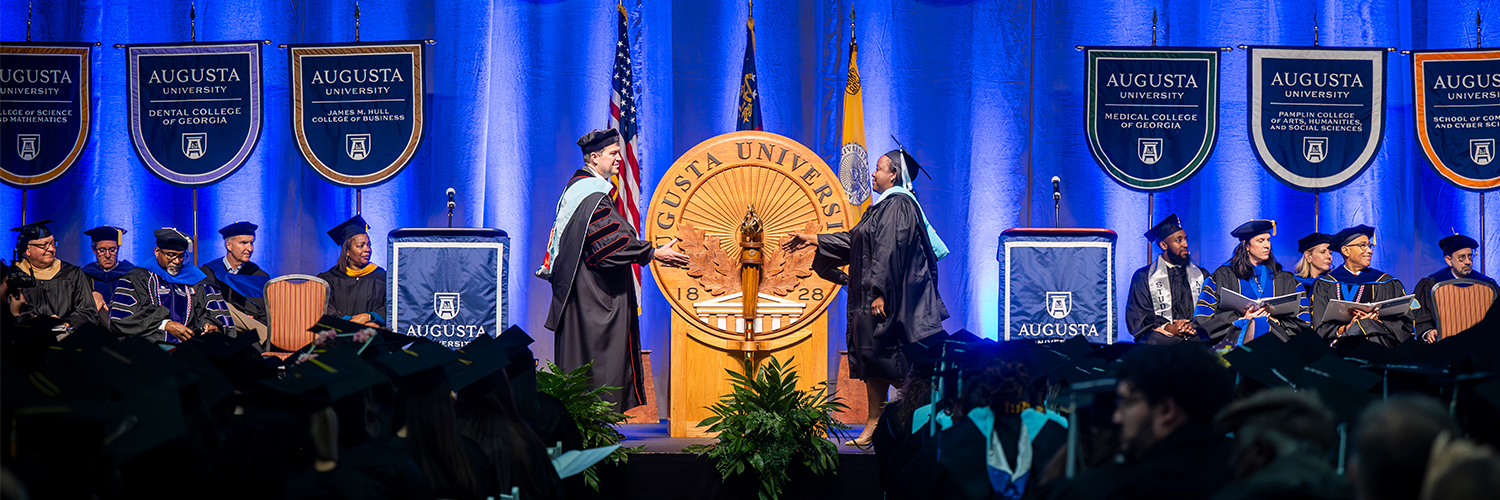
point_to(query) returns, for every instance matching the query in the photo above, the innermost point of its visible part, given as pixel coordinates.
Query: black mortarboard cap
(212, 386)
(1254, 228)
(1342, 238)
(420, 356)
(901, 158)
(336, 324)
(477, 360)
(33, 231)
(1269, 367)
(1165, 228)
(1337, 368)
(239, 228)
(1455, 243)
(598, 140)
(169, 238)
(1312, 240)
(1345, 401)
(347, 229)
(106, 233)
(339, 371)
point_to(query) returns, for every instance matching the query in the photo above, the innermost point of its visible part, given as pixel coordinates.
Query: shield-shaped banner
(1458, 114)
(46, 111)
(358, 109)
(195, 108)
(1317, 115)
(1153, 114)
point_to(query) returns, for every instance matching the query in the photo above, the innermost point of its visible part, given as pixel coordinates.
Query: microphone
(1056, 194)
(451, 192)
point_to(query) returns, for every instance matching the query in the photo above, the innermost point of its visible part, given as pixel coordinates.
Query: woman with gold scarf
(356, 286)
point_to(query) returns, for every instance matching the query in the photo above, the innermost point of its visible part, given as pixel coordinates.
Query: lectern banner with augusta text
(357, 109)
(1057, 283)
(1317, 115)
(46, 109)
(1153, 114)
(1458, 114)
(195, 108)
(449, 285)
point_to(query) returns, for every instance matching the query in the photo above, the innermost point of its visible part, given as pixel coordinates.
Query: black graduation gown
(143, 299)
(348, 295)
(1373, 286)
(1218, 323)
(106, 281)
(1424, 316)
(1190, 463)
(1141, 316)
(593, 311)
(68, 295)
(367, 471)
(889, 256)
(253, 306)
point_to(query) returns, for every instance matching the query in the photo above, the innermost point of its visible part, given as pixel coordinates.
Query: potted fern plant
(769, 429)
(597, 419)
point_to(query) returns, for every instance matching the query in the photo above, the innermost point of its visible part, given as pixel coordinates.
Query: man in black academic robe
(108, 268)
(166, 301)
(589, 263)
(356, 286)
(61, 290)
(1458, 252)
(1356, 281)
(1263, 279)
(1159, 304)
(241, 280)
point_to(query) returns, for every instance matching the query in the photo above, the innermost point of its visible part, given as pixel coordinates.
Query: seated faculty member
(1356, 281)
(62, 290)
(1458, 252)
(892, 255)
(356, 286)
(1159, 307)
(588, 262)
(240, 279)
(107, 268)
(1253, 272)
(1316, 259)
(164, 300)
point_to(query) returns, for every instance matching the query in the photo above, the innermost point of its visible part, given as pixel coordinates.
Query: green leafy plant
(597, 419)
(767, 426)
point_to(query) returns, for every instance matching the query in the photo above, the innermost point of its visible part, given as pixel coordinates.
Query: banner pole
(1150, 221)
(1316, 198)
(195, 227)
(358, 202)
(1478, 44)
(356, 21)
(23, 206)
(28, 38)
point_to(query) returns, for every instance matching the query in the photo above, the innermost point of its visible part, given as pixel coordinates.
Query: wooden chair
(294, 303)
(1459, 304)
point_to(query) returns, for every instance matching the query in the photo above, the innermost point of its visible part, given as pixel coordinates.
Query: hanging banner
(1458, 114)
(1153, 114)
(46, 110)
(1317, 115)
(195, 108)
(358, 109)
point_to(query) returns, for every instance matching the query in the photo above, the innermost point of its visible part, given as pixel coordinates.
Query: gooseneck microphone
(451, 192)
(1056, 201)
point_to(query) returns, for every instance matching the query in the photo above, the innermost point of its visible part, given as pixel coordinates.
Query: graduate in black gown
(589, 263)
(1458, 252)
(166, 301)
(1159, 304)
(356, 286)
(107, 268)
(1253, 272)
(61, 289)
(892, 254)
(1356, 281)
(241, 280)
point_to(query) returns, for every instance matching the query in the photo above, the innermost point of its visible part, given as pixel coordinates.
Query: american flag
(622, 117)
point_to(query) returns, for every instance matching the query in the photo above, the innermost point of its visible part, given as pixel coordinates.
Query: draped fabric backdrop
(988, 93)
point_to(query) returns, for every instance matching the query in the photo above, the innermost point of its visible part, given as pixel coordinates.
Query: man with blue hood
(108, 268)
(1356, 281)
(165, 300)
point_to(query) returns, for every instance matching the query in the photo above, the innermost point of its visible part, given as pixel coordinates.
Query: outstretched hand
(795, 241)
(667, 256)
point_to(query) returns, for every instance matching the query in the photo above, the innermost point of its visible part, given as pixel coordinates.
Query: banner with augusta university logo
(357, 109)
(1153, 114)
(1317, 115)
(1057, 283)
(1458, 114)
(449, 285)
(195, 108)
(46, 111)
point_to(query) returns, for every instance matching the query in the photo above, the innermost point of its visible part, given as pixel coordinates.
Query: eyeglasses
(43, 246)
(173, 255)
(107, 251)
(1362, 246)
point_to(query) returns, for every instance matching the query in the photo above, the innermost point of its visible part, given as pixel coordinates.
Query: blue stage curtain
(988, 93)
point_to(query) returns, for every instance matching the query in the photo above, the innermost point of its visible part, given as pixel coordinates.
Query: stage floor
(664, 471)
